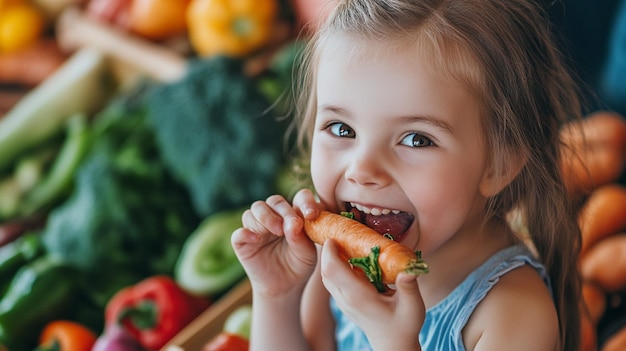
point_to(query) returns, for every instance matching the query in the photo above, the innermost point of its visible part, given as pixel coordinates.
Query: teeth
(373, 211)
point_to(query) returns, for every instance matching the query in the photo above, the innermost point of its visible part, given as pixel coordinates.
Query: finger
(287, 222)
(305, 202)
(242, 236)
(261, 219)
(269, 214)
(292, 223)
(341, 281)
(241, 240)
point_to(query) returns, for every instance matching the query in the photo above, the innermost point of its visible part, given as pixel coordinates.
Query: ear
(497, 178)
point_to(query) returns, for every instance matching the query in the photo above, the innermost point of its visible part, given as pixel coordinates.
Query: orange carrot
(31, 66)
(616, 342)
(605, 263)
(364, 246)
(594, 301)
(594, 151)
(588, 333)
(603, 214)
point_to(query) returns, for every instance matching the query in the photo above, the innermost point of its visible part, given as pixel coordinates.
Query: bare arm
(279, 260)
(276, 324)
(517, 314)
(317, 320)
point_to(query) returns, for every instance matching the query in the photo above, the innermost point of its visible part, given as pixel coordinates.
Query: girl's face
(397, 144)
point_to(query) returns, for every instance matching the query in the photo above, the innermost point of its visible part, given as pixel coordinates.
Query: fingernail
(308, 212)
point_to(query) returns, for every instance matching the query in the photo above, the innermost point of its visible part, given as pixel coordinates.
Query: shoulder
(517, 313)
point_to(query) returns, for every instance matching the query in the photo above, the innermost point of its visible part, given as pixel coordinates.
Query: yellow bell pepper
(21, 25)
(234, 28)
(4, 4)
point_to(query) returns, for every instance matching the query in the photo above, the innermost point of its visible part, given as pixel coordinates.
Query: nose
(368, 170)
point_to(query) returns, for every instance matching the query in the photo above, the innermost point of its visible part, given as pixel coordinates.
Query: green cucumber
(59, 178)
(207, 264)
(80, 86)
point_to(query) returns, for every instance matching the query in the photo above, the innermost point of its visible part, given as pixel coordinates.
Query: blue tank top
(445, 321)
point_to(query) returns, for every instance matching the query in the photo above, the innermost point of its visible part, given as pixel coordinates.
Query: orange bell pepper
(158, 19)
(66, 336)
(232, 28)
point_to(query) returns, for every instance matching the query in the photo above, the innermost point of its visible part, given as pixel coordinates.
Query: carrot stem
(371, 268)
(418, 266)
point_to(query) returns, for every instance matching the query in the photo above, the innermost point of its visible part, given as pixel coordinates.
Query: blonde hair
(503, 52)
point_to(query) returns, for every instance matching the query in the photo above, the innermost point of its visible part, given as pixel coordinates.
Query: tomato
(225, 341)
(158, 19)
(21, 26)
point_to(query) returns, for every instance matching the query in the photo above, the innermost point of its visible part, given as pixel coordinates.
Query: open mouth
(384, 221)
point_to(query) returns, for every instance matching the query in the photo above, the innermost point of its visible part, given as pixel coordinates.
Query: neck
(452, 262)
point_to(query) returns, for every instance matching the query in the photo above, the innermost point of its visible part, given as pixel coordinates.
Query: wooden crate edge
(210, 322)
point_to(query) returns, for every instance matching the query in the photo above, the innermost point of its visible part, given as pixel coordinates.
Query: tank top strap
(446, 320)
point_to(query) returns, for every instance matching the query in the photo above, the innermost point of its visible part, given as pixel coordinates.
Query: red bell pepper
(154, 310)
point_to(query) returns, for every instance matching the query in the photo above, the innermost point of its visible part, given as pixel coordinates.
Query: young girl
(432, 121)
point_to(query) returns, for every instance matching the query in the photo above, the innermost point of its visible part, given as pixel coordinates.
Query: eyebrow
(334, 109)
(428, 119)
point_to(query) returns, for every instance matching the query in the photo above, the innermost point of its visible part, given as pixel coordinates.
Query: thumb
(408, 294)
(407, 283)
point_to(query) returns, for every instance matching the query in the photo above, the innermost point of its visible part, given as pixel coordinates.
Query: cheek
(443, 208)
(324, 176)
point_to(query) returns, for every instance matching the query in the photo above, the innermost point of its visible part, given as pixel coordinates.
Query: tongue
(393, 224)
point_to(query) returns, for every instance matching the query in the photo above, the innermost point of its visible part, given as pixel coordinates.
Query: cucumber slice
(238, 322)
(207, 264)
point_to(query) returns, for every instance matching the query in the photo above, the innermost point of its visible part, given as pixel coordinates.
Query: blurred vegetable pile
(213, 27)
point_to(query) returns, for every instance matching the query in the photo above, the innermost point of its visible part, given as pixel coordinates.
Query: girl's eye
(416, 140)
(341, 130)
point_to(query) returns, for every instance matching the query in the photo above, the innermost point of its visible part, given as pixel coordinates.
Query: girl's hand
(272, 247)
(390, 321)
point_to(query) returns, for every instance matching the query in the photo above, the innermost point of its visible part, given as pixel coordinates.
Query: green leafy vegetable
(126, 218)
(218, 135)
